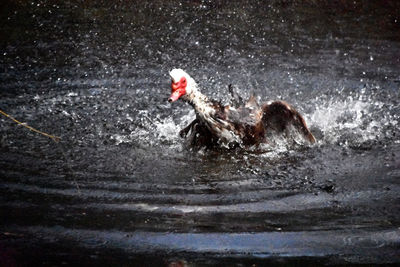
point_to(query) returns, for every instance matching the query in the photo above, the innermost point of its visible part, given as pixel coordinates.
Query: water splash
(349, 121)
(353, 120)
(155, 130)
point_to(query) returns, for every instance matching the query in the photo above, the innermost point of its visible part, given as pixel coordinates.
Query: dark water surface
(123, 188)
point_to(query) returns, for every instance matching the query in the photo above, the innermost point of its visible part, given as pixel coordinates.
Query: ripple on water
(122, 178)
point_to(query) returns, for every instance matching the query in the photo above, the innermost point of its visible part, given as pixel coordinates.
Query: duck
(243, 123)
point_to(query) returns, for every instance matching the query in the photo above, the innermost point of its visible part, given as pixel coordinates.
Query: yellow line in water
(54, 138)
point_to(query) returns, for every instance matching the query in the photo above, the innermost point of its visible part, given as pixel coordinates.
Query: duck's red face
(178, 89)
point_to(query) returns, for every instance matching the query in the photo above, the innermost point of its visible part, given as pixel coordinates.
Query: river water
(121, 187)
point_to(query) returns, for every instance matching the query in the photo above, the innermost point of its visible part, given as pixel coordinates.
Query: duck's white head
(182, 85)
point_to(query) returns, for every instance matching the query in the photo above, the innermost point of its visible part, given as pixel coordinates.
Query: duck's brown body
(251, 123)
(241, 123)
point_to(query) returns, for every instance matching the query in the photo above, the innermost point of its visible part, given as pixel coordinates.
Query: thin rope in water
(54, 138)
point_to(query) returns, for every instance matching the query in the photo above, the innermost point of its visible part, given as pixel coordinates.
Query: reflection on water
(122, 183)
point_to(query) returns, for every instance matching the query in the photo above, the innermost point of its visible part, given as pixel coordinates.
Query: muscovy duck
(241, 123)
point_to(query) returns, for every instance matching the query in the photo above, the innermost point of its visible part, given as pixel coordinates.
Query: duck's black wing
(279, 116)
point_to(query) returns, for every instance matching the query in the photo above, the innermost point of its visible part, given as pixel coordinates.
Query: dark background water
(122, 188)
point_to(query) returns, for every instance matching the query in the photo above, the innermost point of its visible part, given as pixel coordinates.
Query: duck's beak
(176, 95)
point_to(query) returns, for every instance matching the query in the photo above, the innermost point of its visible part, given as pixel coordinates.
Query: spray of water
(348, 121)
